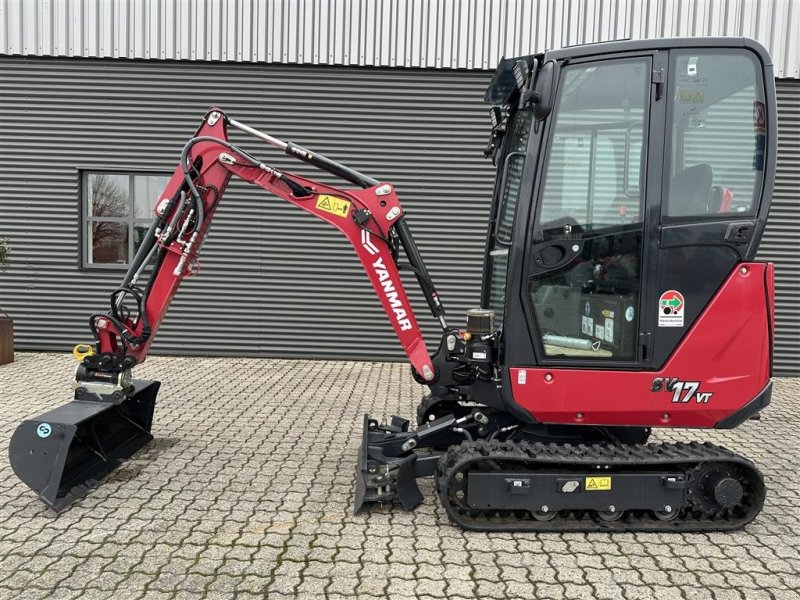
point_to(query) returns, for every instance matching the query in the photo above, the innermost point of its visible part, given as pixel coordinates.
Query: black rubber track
(689, 458)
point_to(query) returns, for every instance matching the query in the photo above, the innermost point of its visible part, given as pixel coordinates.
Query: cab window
(513, 163)
(718, 138)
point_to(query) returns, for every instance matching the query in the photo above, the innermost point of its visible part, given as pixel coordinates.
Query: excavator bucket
(63, 453)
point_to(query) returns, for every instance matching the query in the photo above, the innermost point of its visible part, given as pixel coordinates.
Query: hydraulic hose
(142, 254)
(117, 319)
(196, 199)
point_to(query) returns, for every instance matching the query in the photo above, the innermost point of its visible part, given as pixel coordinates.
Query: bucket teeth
(63, 453)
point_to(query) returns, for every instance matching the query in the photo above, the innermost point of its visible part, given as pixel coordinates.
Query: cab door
(586, 258)
(715, 186)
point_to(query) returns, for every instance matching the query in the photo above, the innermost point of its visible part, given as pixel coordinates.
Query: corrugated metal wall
(274, 280)
(460, 34)
(781, 242)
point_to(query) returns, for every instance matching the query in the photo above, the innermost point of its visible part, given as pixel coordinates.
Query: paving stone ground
(247, 491)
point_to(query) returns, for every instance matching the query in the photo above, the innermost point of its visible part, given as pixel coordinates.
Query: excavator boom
(111, 415)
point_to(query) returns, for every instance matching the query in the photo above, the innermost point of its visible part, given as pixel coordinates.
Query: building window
(117, 209)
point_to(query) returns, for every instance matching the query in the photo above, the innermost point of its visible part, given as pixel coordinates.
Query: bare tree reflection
(109, 199)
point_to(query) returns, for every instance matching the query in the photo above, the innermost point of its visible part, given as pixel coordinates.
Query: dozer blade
(385, 472)
(63, 453)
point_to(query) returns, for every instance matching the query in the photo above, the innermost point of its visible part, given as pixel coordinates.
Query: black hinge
(658, 80)
(646, 342)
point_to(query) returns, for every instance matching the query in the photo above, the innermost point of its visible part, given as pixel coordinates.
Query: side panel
(721, 364)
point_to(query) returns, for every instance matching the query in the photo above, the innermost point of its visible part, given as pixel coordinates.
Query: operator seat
(690, 192)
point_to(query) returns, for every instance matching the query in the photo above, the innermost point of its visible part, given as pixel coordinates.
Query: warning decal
(334, 205)
(692, 96)
(671, 307)
(598, 484)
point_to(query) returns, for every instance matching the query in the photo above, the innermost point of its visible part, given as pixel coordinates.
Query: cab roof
(616, 47)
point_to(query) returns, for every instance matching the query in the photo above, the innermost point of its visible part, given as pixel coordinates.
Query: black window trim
(495, 246)
(509, 152)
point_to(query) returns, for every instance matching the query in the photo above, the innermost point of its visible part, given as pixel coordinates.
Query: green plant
(3, 253)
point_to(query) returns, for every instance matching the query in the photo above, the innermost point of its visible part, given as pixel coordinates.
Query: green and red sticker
(670, 309)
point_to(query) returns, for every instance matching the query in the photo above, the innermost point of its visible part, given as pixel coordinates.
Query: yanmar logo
(389, 290)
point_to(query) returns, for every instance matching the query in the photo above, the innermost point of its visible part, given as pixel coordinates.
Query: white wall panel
(461, 34)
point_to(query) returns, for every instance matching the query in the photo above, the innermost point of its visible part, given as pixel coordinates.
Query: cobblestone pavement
(247, 490)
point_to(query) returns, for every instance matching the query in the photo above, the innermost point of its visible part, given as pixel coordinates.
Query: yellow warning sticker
(334, 205)
(598, 484)
(692, 96)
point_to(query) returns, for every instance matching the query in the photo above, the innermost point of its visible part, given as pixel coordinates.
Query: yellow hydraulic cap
(81, 351)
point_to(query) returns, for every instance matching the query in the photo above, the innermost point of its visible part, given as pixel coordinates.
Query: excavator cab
(634, 182)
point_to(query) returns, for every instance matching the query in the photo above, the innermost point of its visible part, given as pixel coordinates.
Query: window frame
(495, 246)
(130, 220)
(669, 141)
(506, 167)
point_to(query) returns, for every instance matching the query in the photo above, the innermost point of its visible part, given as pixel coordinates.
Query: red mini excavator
(620, 293)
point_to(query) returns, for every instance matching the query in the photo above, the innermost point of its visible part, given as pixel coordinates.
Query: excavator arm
(371, 218)
(61, 453)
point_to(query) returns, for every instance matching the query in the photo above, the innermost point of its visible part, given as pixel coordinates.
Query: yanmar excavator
(620, 293)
